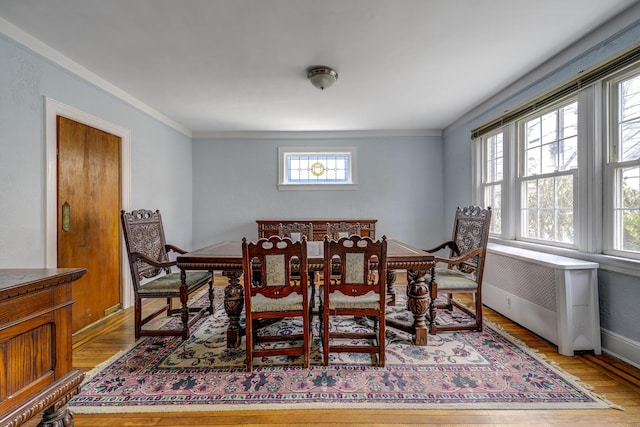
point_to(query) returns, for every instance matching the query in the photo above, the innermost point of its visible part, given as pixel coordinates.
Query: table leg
(233, 304)
(419, 299)
(391, 293)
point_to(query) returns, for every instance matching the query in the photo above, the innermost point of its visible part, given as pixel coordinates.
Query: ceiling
(224, 66)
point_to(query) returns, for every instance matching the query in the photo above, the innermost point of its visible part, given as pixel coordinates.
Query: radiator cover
(552, 296)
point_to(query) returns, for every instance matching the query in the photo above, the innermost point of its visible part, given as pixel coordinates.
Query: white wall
(399, 184)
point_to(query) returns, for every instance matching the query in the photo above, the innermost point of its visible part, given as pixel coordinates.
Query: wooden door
(88, 217)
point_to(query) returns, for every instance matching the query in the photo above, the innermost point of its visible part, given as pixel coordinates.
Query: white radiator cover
(552, 296)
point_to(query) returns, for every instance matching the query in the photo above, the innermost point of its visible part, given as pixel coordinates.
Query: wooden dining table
(226, 256)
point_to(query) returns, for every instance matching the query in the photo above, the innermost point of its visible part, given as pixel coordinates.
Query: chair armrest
(173, 248)
(135, 256)
(461, 260)
(450, 244)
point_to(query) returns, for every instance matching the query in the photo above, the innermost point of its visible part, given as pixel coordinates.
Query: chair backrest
(296, 230)
(355, 265)
(471, 231)
(144, 234)
(338, 230)
(275, 267)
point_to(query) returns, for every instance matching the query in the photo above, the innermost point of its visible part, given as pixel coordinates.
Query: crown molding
(382, 133)
(21, 37)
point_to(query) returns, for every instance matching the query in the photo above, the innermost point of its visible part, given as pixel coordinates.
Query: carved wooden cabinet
(269, 227)
(35, 345)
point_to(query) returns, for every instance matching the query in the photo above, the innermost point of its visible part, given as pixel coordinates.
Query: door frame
(53, 109)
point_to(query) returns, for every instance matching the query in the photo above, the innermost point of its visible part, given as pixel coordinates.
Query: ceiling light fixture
(322, 77)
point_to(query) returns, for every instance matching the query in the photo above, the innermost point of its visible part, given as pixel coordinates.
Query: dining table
(226, 256)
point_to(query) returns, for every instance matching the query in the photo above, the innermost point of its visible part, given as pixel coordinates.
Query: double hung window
(564, 171)
(624, 161)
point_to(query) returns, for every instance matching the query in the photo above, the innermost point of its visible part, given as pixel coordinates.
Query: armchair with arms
(152, 276)
(464, 265)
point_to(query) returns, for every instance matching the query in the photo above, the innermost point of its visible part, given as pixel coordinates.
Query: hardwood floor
(609, 377)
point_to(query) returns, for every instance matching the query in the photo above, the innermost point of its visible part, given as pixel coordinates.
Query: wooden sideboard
(36, 371)
(269, 227)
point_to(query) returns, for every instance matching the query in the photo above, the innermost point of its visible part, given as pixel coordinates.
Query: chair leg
(210, 308)
(449, 305)
(325, 338)
(478, 313)
(184, 314)
(249, 344)
(138, 318)
(381, 342)
(307, 339)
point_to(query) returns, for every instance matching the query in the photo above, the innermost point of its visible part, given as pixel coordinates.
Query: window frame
(522, 179)
(612, 166)
(593, 206)
(485, 183)
(285, 152)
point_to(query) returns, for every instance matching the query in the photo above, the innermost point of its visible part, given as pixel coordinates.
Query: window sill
(312, 187)
(616, 264)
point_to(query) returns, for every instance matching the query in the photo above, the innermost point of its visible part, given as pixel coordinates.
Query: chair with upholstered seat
(272, 291)
(153, 278)
(464, 265)
(338, 230)
(296, 230)
(356, 290)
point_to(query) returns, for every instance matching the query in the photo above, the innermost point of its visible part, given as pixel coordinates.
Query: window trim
(283, 152)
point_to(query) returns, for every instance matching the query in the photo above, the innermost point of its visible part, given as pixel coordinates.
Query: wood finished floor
(609, 377)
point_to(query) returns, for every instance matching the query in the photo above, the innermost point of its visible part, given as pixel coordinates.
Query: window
(563, 170)
(492, 176)
(549, 162)
(624, 161)
(317, 168)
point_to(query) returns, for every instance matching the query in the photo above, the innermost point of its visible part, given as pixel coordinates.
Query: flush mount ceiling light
(322, 77)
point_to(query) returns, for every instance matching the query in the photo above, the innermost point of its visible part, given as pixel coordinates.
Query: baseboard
(620, 347)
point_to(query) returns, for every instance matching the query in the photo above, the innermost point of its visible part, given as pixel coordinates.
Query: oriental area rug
(461, 370)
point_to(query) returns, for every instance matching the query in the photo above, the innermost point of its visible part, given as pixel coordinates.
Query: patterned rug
(462, 370)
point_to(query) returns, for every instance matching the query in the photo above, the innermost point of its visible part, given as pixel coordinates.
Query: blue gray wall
(215, 189)
(399, 184)
(161, 174)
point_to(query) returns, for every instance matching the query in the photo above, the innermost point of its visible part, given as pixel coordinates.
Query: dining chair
(296, 231)
(464, 265)
(273, 291)
(338, 230)
(357, 290)
(153, 278)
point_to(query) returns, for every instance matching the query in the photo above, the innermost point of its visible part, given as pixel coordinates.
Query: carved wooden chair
(296, 230)
(338, 230)
(358, 291)
(152, 276)
(465, 264)
(271, 292)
